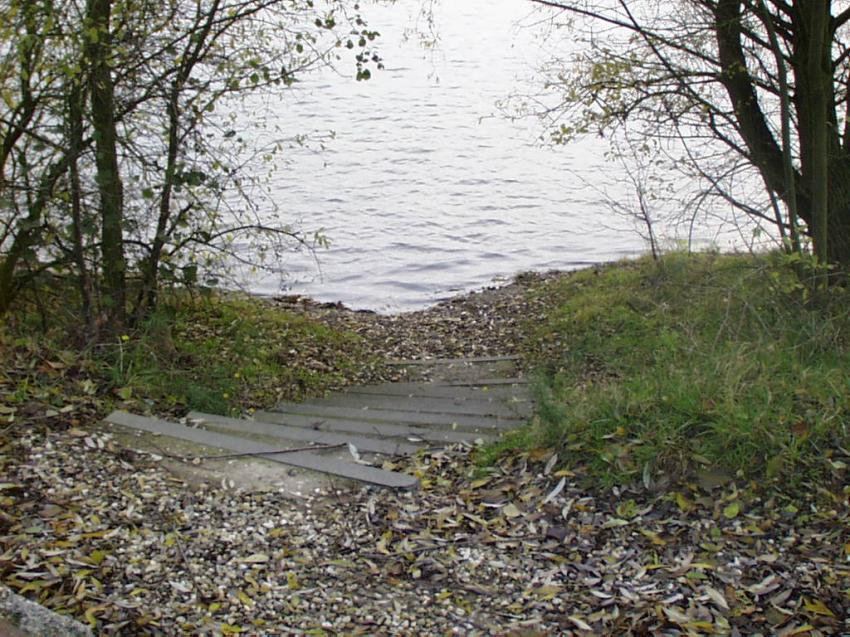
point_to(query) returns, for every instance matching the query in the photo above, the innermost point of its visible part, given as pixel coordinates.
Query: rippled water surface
(423, 191)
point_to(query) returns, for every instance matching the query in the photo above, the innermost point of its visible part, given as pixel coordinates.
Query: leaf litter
(116, 541)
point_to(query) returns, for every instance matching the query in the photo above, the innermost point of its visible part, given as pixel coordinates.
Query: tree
(97, 27)
(713, 76)
(118, 142)
(31, 162)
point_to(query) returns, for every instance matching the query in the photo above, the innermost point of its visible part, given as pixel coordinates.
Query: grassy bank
(695, 362)
(646, 370)
(220, 354)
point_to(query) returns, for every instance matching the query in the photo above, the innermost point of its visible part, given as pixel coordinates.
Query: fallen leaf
(612, 523)
(768, 584)
(547, 591)
(731, 511)
(717, 597)
(554, 492)
(817, 607)
(382, 546)
(354, 452)
(510, 510)
(292, 581)
(654, 537)
(685, 505)
(550, 464)
(580, 623)
(245, 599)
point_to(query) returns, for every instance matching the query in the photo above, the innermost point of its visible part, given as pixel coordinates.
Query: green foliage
(215, 353)
(229, 354)
(696, 361)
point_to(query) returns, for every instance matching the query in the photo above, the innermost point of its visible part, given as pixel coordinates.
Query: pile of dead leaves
(91, 530)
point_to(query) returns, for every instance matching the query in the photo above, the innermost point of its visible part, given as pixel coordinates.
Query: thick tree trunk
(838, 222)
(822, 197)
(818, 74)
(763, 150)
(109, 183)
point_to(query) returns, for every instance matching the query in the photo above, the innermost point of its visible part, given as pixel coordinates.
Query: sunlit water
(424, 190)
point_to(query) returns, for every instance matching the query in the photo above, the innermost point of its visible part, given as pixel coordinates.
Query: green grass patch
(228, 354)
(523, 437)
(694, 361)
(218, 353)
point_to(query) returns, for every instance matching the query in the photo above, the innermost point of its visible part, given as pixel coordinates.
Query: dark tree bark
(108, 176)
(818, 74)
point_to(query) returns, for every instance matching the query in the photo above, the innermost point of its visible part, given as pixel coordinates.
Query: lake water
(425, 191)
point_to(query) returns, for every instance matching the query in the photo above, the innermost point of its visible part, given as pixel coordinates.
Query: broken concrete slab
(243, 425)
(19, 617)
(301, 459)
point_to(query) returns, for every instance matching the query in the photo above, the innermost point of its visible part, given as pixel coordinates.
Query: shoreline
(494, 284)
(483, 322)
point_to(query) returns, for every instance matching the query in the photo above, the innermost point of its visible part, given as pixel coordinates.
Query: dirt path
(521, 550)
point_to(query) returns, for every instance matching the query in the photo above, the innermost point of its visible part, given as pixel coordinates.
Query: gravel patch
(120, 543)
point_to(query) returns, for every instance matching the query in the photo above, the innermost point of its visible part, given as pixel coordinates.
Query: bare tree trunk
(816, 18)
(98, 13)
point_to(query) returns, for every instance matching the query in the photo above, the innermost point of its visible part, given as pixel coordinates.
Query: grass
(228, 354)
(222, 354)
(700, 361)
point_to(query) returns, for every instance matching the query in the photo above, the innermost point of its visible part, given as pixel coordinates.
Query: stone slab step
(365, 412)
(454, 361)
(509, 394)
(302, 459)
(382, 430)
(243, 425)
(424, 404)
(484, 382)
(20, 617)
